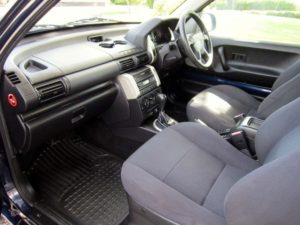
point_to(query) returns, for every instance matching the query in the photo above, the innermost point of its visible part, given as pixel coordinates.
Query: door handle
(223, 59)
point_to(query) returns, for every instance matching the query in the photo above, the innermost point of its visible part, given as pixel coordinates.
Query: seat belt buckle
(238, 139)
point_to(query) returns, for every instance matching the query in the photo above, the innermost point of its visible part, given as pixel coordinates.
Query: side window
(275, 21)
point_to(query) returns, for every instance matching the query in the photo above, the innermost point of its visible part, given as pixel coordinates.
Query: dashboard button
(12, 100)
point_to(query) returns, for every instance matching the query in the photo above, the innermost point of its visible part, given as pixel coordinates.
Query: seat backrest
(270, 195)
(287, 75)
(287, 91)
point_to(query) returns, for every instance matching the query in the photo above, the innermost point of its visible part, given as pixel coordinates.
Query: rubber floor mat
(81, 182)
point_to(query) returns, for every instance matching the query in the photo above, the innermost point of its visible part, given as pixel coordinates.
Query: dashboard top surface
(52, 56)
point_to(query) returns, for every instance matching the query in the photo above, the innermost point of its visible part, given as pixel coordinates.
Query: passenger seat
(188, 174)
(218, 105)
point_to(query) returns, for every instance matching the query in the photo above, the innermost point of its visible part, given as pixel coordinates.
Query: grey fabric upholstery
(216, 106)
(190, 175)
(292, 71)
(279, 132)
(269, 195)
(177, 167)
(282, 95)
(274, 188)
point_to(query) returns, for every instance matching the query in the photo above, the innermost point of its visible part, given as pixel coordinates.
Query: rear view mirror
(209, 21)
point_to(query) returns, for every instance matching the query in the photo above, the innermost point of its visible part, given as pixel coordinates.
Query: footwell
(81, 182)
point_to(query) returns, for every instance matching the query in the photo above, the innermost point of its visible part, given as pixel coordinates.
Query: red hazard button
(12, 100)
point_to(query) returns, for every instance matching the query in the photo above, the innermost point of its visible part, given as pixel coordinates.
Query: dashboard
(54, 83)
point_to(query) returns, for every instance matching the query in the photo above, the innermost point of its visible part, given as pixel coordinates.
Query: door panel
(253, 67)
(254, 63)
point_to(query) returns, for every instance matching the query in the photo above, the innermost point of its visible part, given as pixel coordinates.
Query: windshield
(80, 12)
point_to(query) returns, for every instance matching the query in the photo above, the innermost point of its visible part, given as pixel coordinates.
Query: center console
(148, 83)
(136, 101)
(140, 101)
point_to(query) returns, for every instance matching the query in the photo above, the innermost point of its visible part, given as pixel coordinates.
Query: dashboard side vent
(127, 64)
(14, 79)
(143, 59)
(51, 91)
(96, 39)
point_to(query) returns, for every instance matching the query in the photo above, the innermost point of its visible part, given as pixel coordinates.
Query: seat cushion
(184, 174)
(217, 106)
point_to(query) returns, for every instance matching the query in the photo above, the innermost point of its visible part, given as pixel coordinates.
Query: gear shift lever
(161, 100)
(163, 120)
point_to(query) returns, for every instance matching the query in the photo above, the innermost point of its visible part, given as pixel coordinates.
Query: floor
(81, 182)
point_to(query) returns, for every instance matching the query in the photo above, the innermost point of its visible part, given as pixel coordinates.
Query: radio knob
(146, 103)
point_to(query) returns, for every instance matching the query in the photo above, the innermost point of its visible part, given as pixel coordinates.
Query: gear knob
(161, 100)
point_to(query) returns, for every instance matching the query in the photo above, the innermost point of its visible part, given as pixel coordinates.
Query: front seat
(217, 106)
(188, 174)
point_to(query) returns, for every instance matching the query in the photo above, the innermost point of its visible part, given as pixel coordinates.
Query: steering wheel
(197, 46)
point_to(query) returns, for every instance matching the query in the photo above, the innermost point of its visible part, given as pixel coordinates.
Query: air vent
(14, 79)
(96, 39)
(127, 64)
(51, 91)
(143, 59)
(144, 75)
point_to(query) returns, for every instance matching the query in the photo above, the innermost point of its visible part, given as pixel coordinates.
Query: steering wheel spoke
(205, 52)
(198, 55)
(206, 37)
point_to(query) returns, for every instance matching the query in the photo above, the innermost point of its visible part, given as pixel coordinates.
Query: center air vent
(127, 64)
(143, 59)
(14, 79)
(51, 91)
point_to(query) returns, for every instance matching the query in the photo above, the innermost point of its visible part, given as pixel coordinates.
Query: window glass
(257, 20)
(67, 11)
(85, 12)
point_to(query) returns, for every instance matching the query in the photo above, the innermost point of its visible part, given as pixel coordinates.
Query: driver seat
(217, 106)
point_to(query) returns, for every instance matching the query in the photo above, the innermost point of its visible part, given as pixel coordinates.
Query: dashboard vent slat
(14, 79)
(143, 76)
(51, 91)
(127, 64)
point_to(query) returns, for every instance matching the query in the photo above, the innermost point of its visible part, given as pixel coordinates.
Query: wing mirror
(209, 21)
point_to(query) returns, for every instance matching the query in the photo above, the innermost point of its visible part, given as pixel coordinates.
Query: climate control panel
(148, 103)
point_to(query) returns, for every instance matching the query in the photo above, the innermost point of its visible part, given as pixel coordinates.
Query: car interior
(156, 123)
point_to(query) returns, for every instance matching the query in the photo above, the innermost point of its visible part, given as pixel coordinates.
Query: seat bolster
(156, 196)
(268, 195)
(280, 123)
